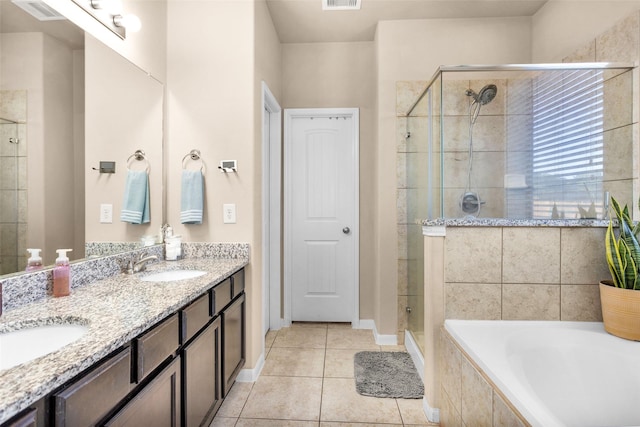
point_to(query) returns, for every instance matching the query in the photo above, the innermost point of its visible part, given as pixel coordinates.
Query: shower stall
(13, 181)
(517, 142)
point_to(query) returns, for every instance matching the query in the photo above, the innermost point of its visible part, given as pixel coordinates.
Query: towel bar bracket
(227, 166)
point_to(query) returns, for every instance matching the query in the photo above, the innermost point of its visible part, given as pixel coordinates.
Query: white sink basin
(23, 345)
(172, 275)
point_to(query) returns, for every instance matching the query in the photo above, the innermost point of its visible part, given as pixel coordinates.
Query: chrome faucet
(141, 264)
(133, 266)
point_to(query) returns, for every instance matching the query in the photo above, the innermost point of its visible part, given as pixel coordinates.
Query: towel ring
(139, 155)
(195, 156)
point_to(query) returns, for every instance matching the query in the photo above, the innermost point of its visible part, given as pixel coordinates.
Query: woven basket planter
(620, 311)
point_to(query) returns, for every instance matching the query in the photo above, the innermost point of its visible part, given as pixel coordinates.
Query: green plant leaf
(614, 260)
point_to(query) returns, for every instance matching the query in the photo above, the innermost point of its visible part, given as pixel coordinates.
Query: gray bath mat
(387, 374)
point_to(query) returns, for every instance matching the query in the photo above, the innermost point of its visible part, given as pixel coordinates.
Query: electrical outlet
(229, 213)
(106, 213)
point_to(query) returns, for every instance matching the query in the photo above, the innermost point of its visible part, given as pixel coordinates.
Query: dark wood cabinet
(201, 376)
(156, 345)
(174, 374)
(233, 342)
(157, 404)
(88, 399)
(27, 418)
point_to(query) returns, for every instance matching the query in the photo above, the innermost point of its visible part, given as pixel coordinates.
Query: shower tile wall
(621, 43)
(13, 182)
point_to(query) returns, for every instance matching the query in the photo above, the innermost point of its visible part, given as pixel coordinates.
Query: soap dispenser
(61, 274)
(35, 260)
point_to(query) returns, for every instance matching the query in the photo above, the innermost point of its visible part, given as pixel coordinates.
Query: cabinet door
(157, 404)
(89, 398)
(27, 418)
(201, 377)
(233, 348)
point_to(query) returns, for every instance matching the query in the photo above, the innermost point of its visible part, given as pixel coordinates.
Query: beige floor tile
(341, 402)
(412, 412)
(351, 339)
(235, 400)
(338, 363)
(270, 338)
(223, 422)
(250, 422)
(393, 348)
(340, 325)
(295, 362)
(323, 424)
(303, 325)
(284, 398)
(301, 337)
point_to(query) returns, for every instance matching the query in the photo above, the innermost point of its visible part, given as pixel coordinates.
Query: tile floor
(307, 380)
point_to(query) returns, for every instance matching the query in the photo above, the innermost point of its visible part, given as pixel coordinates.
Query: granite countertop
(115, 310)
(504, 222)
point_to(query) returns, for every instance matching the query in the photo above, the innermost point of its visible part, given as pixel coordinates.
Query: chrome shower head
(485, 95)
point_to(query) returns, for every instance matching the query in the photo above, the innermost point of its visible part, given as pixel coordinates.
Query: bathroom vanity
(160, 353)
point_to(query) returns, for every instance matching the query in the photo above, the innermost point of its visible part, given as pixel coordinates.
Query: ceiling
(304, 21)
(15, 20)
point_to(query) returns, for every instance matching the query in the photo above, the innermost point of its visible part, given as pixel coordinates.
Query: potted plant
(620, 297)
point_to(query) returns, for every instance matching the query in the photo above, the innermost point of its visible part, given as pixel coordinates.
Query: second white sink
(172, 275)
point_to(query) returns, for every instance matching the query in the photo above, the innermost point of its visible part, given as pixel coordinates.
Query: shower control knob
(346, 230)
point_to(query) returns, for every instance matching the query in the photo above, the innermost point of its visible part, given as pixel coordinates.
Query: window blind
(567, 144)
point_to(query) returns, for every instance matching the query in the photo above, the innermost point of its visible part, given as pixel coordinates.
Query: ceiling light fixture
(341, 4)
(109, 13)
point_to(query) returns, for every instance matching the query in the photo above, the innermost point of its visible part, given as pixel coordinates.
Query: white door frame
(289, 114)
(271, 211)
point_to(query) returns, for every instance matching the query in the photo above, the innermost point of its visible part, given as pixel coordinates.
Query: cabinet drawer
(194, 317)
(156, 345)
(88, 399)
(156, 405)
(221, 296)
(237, 281)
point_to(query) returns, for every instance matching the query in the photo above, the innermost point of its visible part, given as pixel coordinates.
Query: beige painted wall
(322, 75)
(123, 114)
(218, 52)
(412, 50)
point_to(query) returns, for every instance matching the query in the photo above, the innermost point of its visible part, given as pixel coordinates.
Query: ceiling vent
(341, 4)
(39, 10)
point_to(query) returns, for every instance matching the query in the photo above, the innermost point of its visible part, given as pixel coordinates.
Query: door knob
(346, 230)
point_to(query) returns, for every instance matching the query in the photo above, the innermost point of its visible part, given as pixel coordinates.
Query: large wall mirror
(68, 102)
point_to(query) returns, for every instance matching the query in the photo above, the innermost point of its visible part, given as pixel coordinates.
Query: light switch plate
(229, 213)
(106, 213)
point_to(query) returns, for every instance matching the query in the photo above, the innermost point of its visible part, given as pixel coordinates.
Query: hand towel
(192, 197)
(135, 205)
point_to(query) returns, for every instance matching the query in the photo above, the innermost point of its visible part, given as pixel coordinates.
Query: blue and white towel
(135, 205)
(192, 197)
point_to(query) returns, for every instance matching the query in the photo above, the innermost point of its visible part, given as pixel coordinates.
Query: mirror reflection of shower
(470, 201)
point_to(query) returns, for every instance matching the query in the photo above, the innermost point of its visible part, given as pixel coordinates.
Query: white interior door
(321, 187)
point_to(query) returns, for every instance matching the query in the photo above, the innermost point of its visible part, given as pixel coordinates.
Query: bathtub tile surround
(468, 397)
(520, 245)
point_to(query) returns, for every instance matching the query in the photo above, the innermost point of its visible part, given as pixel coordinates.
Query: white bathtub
(557, 373)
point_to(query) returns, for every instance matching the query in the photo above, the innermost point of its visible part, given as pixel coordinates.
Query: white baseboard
(251, 375)
(433, 414)
(414, 352)
(380, 339)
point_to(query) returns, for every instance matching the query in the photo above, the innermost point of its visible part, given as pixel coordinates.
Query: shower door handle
(346, 230)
